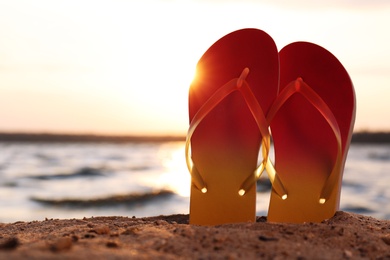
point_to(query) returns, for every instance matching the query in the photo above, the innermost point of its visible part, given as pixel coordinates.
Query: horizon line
(357, 137)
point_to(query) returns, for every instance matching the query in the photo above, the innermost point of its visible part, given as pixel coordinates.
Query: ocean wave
(109, 201)
(353, 184)
(83, 172)
(140, 168)
(358, 209)
(379, 156)
(263, 185)
(9, 184)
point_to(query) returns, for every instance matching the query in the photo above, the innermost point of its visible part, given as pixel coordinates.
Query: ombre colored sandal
(236, 83)
(311, 123)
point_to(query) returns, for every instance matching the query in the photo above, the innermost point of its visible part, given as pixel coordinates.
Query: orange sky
(124, 67)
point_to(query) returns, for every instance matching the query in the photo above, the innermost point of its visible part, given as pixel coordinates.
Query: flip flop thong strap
(237, 84)
(299, 86)
(262, 124)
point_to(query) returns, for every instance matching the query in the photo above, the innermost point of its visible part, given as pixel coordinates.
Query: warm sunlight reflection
(176, 176)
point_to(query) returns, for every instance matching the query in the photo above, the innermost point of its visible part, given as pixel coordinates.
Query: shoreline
(85, 138)
(357, 138)
(345, 236)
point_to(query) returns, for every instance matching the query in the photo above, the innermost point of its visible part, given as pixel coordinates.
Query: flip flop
(311, 123)
(236, 83)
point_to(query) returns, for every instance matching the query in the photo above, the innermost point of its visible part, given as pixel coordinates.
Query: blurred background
(123, 68)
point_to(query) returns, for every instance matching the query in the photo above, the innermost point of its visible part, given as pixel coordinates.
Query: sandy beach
(345, 236)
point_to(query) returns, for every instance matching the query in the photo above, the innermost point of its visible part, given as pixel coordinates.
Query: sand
(345, 236)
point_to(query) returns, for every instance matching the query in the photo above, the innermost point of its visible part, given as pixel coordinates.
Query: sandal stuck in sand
(311, 123)
(236, 83)
(244, 92)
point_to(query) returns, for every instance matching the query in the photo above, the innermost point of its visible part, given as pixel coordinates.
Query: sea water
(76, 180)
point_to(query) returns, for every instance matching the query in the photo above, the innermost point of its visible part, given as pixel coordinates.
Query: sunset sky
(124, 67)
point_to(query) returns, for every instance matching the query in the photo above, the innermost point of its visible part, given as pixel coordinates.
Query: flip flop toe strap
(209, 105)
(237, 84)
(299, 86)
(266, 164)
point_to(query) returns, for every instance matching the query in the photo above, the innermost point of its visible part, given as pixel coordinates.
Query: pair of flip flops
(245, 93)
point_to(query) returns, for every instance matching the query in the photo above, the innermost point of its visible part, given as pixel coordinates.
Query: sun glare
(176, 176)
